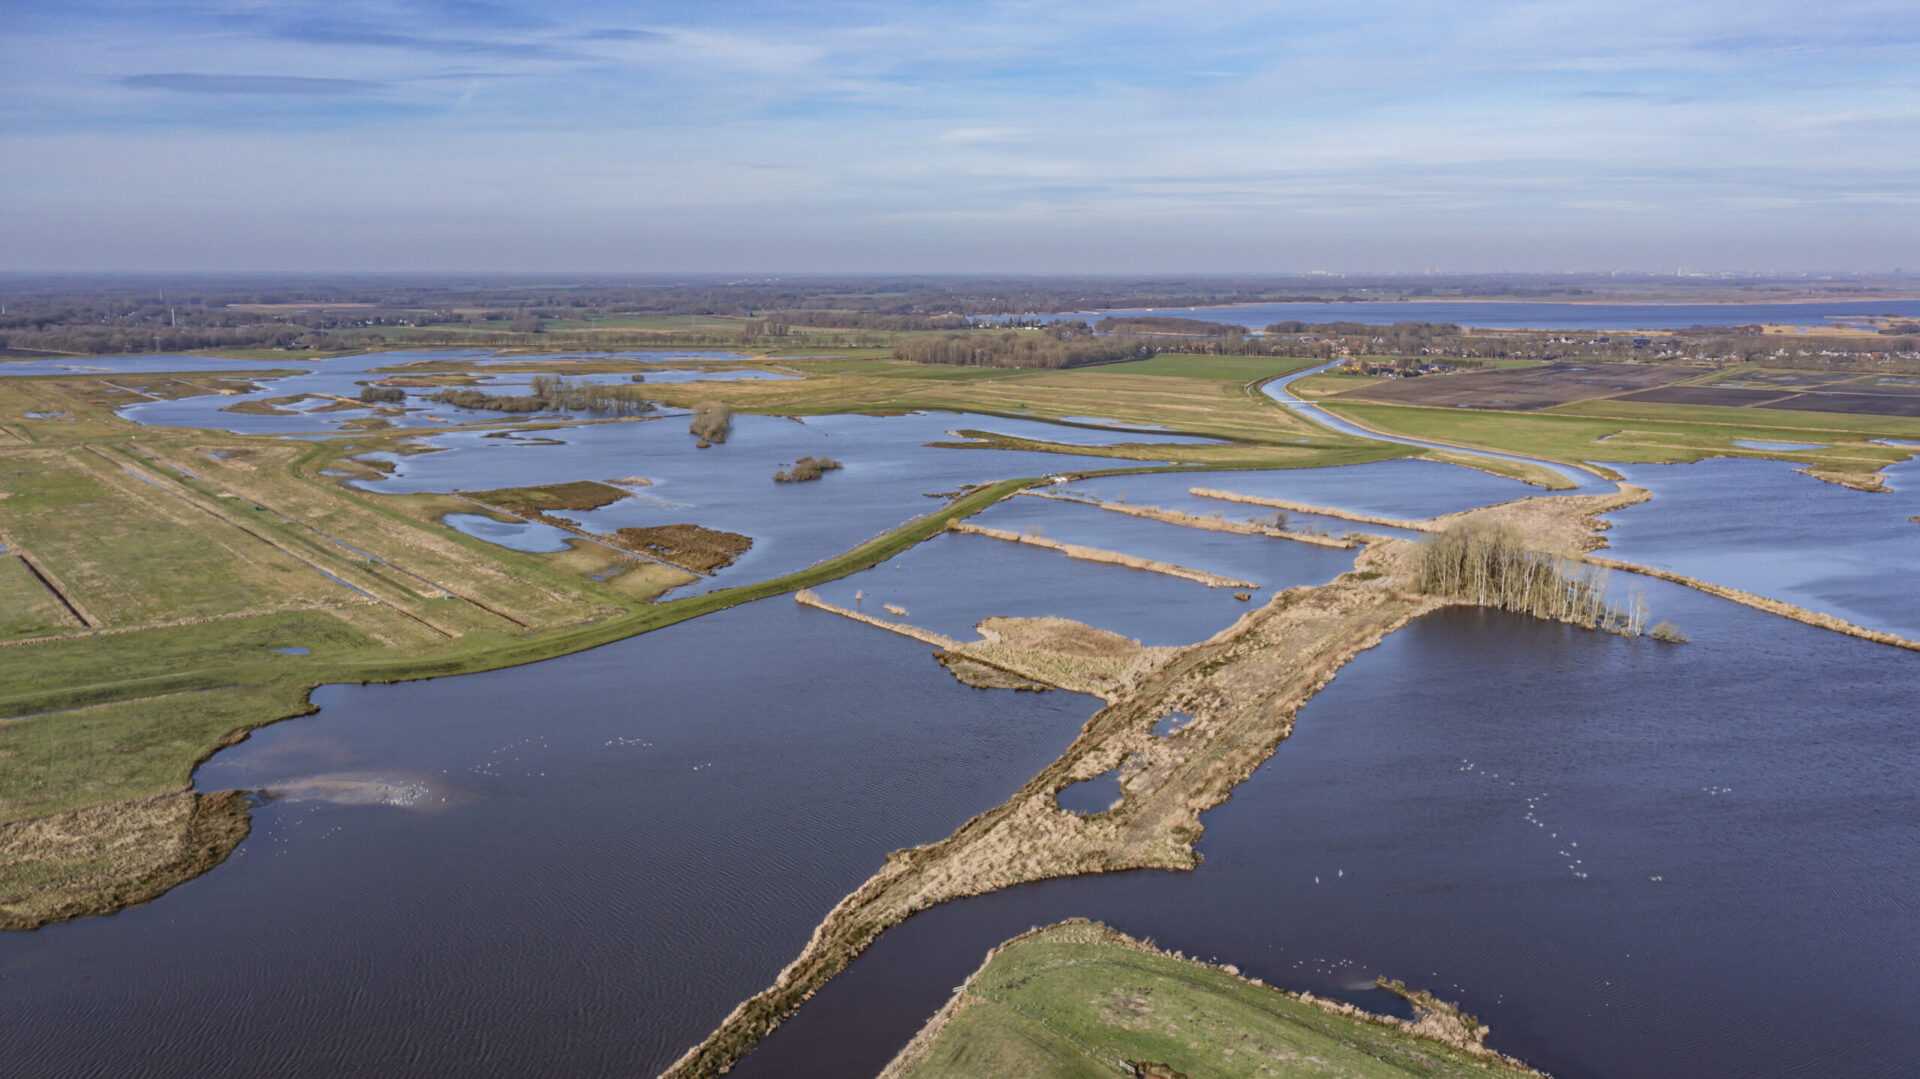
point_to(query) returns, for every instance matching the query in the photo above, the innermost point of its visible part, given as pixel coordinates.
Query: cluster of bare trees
(989, 349)
(711, 422)
(1489, 566)
(551, 393)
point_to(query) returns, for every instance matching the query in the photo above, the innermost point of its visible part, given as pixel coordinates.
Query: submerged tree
(1488, 565)
(711, 421)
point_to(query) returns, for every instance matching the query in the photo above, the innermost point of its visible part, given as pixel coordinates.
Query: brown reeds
(807, 468)
(711, 421)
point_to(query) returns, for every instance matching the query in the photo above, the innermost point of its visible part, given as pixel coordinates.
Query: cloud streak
(301, 86)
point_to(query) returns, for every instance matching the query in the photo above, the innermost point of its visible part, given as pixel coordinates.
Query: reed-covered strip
(1095, 554)
(1210, 524)
(809, 598)
(1302, 507)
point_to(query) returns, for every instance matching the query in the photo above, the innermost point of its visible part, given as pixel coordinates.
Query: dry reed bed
(70, 865)
(1210, 524)
(1243, 685)
(1095, 554)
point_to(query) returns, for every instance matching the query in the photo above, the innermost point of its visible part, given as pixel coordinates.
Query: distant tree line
(1014, 349)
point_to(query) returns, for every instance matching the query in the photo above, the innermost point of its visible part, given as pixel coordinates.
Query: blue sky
(1123, 136)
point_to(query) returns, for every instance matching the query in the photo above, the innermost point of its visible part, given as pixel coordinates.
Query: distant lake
(1515, 315)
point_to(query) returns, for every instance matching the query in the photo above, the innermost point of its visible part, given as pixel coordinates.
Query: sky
(1125, 136)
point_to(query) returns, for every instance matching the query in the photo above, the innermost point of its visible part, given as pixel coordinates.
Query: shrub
(807, 468)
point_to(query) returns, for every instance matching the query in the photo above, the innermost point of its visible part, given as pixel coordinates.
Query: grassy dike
(1081, 1001)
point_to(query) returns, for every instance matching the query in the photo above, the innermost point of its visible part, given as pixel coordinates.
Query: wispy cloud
(193, 83)
(355, 34)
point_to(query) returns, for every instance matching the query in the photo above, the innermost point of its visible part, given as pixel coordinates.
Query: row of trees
(990, 349)
(550, 393)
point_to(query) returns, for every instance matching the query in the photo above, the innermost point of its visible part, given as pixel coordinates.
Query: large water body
(1762, 527)
(1406, 488)
(1516, 315)
(596, 857)
(1632, 860)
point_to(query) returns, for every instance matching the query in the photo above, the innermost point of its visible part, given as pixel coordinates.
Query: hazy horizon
(449, 136)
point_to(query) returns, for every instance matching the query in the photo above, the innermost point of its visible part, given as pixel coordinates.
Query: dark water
(1633, 860)
(1514, 315)
(1762, 527)
(572, 868)
(1268, 562)
(951, 582)
(888, 471)
(1405, 488)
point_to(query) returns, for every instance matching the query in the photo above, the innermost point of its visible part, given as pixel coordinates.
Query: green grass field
(1635, 432)
(1077, 1000)
(1228, 368)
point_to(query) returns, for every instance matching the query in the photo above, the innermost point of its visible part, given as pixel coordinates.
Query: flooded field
(1406, 488)
(1762, 527)
(888, 472)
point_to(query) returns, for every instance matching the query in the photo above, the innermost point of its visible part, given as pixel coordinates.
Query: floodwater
(1270, 563)
(576, 867)
(1407, 488)
(888, 472)
(951, 582)
(327, 379)
(1762, 527)
(343, 377)
(1519, 315)
(1633, 860)
(1762, 444)
(535, 536)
